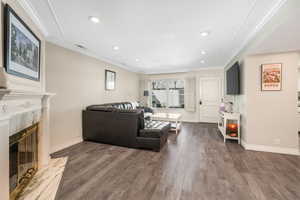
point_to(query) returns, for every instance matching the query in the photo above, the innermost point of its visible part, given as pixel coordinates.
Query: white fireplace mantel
(18, 110)
(6, 93)
(13, 102)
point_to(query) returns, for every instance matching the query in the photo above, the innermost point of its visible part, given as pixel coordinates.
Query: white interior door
(210, 99)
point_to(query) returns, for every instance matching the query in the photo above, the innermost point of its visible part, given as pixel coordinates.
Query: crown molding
(185, 70)
(63, 42)
(267, 18)
(27, 6)
(51, 8)
(209, 68)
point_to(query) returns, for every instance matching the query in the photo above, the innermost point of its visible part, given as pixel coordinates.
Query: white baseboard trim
(67, 144)
(271, 149)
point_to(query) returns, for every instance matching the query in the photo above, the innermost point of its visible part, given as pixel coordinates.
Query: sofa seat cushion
(154, 129)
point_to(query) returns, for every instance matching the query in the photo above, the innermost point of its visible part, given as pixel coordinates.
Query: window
(168, 94)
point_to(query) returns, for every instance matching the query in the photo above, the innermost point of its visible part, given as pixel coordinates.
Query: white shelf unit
(226, 117)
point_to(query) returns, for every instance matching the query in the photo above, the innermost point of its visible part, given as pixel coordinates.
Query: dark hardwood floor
(195, 165)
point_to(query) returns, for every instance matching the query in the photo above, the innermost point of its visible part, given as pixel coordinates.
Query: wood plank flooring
(194, 165)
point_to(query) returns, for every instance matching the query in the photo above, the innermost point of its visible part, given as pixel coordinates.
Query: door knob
(200, 102)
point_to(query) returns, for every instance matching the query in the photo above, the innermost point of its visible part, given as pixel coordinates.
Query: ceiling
(283, 33)
(154, 36)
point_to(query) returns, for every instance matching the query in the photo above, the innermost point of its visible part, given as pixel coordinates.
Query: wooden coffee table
(169, 117)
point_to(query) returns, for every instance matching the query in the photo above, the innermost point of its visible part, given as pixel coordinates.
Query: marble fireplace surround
(19, 110)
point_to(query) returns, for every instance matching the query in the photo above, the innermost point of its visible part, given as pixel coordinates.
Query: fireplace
(23, 159)
(24, 137)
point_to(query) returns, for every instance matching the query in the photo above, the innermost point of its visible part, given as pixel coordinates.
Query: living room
(149, 100)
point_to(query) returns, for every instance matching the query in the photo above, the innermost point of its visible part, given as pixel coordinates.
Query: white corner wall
(271, 116)
(78, 81)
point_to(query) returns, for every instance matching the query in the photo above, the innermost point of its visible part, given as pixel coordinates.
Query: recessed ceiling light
(94, 19)
(204, 33)
(202, 61)
(137, 60)
(116, 48)
(203, 52)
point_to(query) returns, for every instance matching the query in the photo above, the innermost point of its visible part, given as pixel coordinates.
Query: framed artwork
(22, 47)
(110, 80)
(271, 77)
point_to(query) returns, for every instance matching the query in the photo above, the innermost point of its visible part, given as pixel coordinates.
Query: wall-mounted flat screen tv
(233, 80)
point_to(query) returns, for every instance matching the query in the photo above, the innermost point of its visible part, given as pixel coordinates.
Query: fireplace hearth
(23, 159)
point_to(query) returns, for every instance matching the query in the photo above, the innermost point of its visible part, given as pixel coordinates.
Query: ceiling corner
(29, 9)
(267, 18)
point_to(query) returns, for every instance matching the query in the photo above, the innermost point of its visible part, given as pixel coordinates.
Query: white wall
(78, 81)
(298, 79)
(271, 116)
(186, 116)
(244, 103)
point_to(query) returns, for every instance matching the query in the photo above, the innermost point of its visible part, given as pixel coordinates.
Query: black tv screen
(233, 79)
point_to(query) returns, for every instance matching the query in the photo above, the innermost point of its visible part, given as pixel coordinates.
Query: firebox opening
(23, 159)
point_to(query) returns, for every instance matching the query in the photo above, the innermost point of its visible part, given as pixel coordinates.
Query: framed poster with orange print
(271, 77)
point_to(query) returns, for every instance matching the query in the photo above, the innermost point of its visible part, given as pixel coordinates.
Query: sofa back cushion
(111, 106)
(123, 107)
(101, 108)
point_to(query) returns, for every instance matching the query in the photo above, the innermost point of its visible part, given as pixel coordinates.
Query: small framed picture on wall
(271, 77)
(110, 80)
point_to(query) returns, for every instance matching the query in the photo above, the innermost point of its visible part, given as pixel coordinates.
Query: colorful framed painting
(271, 77)
(22, 47)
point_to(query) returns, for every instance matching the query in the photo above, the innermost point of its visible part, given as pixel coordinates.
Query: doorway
(210, 99)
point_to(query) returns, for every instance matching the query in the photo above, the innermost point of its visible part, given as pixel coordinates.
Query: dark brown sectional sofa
(123, 124)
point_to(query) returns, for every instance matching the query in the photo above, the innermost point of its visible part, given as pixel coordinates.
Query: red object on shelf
(233, 134)
(232, 127)
(232, 130)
